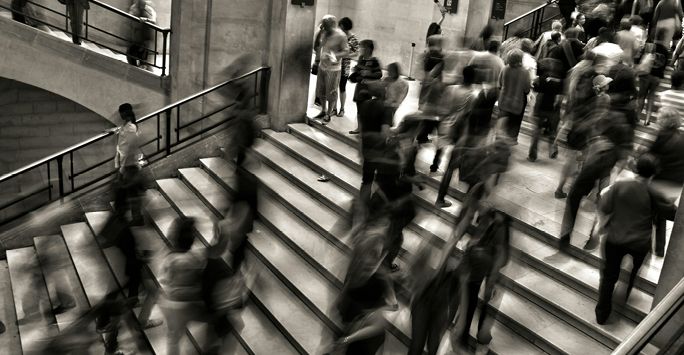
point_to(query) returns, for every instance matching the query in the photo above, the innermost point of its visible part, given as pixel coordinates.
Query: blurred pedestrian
(667, 18)
(23, 12)
(514, 85)
(346, 26)
(626, 39)
(567, 7)
(543, 40)
(142, 34)
(128, 183)
(548, 86)
(630, 207)
(366, 73)
(396, 89)
(333, 48)
(651, 70)
(488, 65)
(673, 97)
(668, 146)
(75, 8)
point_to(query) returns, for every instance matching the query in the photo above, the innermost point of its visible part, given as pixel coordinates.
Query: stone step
(34, 315)
(257, 317)
(525, 220)
(9, 341)
(97, 280)
(60, 276)
(320, 251)
(270, 153)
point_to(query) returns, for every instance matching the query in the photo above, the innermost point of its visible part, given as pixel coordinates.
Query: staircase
(544, 302)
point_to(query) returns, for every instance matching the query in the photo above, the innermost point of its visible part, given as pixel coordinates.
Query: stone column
(187, 47)
(291, 45)
(671, 273)
(479, 15)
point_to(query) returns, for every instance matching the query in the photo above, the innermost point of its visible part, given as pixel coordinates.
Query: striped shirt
(353, 49)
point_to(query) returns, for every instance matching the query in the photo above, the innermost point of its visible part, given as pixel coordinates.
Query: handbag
(314, 69)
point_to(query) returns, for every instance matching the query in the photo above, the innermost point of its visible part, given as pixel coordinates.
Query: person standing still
(333, 47)
(75, 9)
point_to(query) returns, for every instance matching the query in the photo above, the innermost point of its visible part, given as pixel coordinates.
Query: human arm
(374, 325)
(606, 201)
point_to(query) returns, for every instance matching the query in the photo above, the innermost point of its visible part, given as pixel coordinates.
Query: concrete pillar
(479, 15)
(188, 42)
(671, 273)
(291, 45)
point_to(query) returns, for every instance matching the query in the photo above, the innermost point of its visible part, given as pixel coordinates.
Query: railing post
(165, 35)
(86, 23)
(263, 91)
(168, 132)
(60, 174)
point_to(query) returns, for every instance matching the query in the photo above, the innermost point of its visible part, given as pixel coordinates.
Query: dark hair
(346, 24)
(126, 112)
(469, 75)
(394, 66)
(493, 46)
(625, 24)
(555, 36)
(182, 234)
(571, 33)
(367, 43)
(636, 20)
(677, 79)
(646, 166)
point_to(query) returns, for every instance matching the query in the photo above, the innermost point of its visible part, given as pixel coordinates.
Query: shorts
(327, 84)
(343, 83)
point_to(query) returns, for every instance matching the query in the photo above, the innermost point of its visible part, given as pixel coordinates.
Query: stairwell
(543, 305)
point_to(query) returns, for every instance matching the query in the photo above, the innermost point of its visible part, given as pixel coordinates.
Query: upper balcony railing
(163, 132)
(115, 34)
(534, 22)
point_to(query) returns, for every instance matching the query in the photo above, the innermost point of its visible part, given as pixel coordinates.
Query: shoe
(564, 242)
(340, 113)
(320, 115)
(152, 323)
(601, 316)
(2, 327)
(559, 194)
(356, 131)
(592, 243)
(326, 119)
(434, 168)
(532, 160)
(443, 204)
(553, 154)
(333, 112)
(394, 267)
(76, 42)
(63, 308)
(323, 178)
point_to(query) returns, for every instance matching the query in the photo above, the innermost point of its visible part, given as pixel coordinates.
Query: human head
(527, 45)
(669, 119)
(601, 83)
(469, 75)
(328, 23)
(605, 35)
(646, 166)
(182, 234)
(556, 37)
(126, 112)
(515, 58)
(366, 48)
(677, 79)
(625, 24)
(557, 26)
(580, 19)
(346, 24)
(636, 20)
(572, 33)
(393, 70)
(493, 47)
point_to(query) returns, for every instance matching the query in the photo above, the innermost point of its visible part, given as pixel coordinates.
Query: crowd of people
(589, 82)
(140, 39)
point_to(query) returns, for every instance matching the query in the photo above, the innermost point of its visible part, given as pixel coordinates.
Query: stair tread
(648, 273)
(212, 192)
(10, 340)
(188, 203)
(28, 286)
(59, 270)
(151, 240)
(639, 300)
(96, 278)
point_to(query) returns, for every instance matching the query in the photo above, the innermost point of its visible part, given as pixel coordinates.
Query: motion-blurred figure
(141, 34)
(128, 183)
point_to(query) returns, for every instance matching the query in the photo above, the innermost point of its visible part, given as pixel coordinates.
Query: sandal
(323, 178)
(340, 113)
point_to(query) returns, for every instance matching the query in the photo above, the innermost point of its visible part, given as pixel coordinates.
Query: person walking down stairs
(76, 8)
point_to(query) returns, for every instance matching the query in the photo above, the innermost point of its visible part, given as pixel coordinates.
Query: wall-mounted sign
(498, 9)
(303, 2)
(451, 6)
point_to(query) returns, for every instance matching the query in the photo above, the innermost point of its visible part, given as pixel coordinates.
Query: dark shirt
(372, 116)
(371, 64)
(359, 300)
(432, 59)
(632, 208)
(669, 149)
(662, 55)
(558, 53)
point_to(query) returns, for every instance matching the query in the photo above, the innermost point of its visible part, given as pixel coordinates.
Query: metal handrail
(67, 170)
(531, 12)
(653, 322)
(140, 120)
(126, 14)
